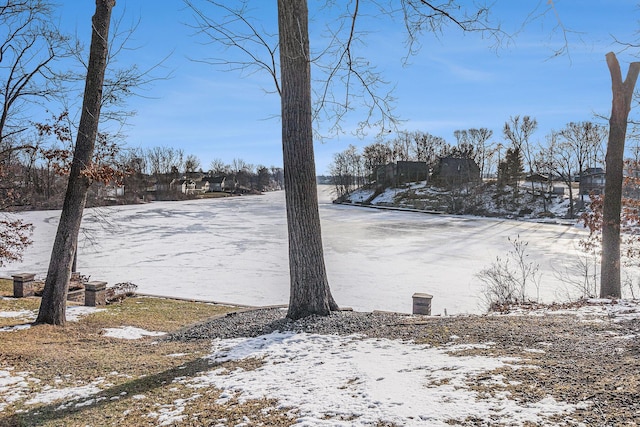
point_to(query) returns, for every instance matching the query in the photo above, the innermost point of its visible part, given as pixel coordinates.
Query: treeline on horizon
(563, 154)
(36, 177)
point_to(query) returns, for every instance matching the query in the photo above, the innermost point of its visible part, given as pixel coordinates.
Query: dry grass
(79, 353)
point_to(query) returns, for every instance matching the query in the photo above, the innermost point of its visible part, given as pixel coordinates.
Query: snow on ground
(13, 387)
(371, 381)
(334, 380)
(235, 250)
(74, 313)
(130, 333)
(21, 313)
(592, 309)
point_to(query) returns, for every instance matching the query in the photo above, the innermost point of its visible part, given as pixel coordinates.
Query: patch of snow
(27, 315)
(169, 415)
(361, 196)
(130, 333)
(618, 310)
(21, 313)
(12, 387)
(463, 347)
(15, 327)
(50, 395)
(372, 381)
(388, 196)
(74, 312)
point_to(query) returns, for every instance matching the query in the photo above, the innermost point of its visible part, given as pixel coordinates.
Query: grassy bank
(136, 378)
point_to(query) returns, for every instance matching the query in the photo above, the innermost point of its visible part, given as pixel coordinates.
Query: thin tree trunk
(621, 105)
(53, 305)
(310, 293)
(569, 185)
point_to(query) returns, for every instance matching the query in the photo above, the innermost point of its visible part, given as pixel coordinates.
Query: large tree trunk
(53, 305)
(310, 292)
(621, 105)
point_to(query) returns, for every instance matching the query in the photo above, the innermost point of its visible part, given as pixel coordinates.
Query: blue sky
(457, 81)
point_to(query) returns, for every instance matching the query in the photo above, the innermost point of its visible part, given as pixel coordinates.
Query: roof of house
(216, 179)
(593, 171)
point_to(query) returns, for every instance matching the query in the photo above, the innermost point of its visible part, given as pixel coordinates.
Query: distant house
(109, 191)
(216, 183)
(222, 183)
(184, 186)
(202, 185)
(401, 172)
(159, 184)
(455, 170)
(592, 181)
(537, 177)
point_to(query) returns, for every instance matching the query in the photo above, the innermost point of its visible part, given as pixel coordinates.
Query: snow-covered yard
(234, 250)
(349, 380)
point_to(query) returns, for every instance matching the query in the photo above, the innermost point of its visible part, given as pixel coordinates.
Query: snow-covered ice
(235, 250)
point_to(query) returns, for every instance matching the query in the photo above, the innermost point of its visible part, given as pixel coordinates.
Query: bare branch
(236, 32)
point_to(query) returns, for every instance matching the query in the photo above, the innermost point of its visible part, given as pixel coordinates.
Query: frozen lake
(235, 250)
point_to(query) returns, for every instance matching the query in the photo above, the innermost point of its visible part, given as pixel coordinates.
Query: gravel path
(251, 323)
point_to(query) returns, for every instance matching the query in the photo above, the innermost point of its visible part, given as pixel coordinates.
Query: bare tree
(346, 170)
(475, 141)
(480, 139)
(561, 159)
(546, 165)
(584, 138)
(191, 163)
(277, 174)
(375, 155)
(53, 305)
(165, 163)
(429, 148)
(29, 48)
(218, 167)
(518, 131)
(239, 165)
(401, 146)
(620, 108)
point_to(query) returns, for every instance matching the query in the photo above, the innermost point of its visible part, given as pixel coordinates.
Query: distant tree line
(36, 177)
(562, 156)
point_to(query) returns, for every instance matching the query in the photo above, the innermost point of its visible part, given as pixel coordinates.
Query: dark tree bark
(621, 105)
(310, 293)
(53, 305)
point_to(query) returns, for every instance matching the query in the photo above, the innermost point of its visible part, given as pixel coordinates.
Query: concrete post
(422, 304)
(95, 294)
(23, 285)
